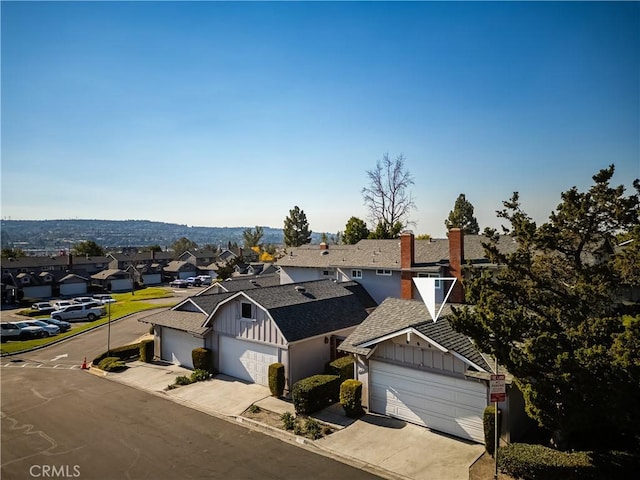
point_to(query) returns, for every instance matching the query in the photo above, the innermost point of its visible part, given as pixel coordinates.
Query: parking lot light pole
(109, 330)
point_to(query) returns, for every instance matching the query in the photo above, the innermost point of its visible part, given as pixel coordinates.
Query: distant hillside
(50, 236)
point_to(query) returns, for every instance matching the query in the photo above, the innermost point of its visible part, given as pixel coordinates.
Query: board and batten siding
(419, 354)
(259, 329)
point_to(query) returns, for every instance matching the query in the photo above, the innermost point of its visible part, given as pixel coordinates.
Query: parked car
(9, 331)
(104, 298)
(179, 283)
(47, 327)
(61, 324)
(205, 279)
(28, 331)
(194, 281)
(78, 312)
(42, 307)
(57, 305)
(83, 299)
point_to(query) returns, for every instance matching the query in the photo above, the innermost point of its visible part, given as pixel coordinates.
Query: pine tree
(296, 228)
(462, 217)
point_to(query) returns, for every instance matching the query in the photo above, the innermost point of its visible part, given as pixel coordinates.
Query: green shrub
(298, 429)
(111, 364)
(199, 375)
(343, 367)
(202, 359)
(182, 380)
(314, 393)
(254, 409)
(288, 420)
(488, 421)
(528, 462)
(124, 353)
(276, 379)
(351, 397)
(313, 429)
(146, 350)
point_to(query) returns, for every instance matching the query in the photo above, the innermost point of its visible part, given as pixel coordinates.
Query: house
(112, 280)
(132, 258)
(179, 270)
(297, 325)
(426, 373)
(237, 284)
(385, 268)
(199, 258)
(145, 275)
(31, 285)
(58, 266)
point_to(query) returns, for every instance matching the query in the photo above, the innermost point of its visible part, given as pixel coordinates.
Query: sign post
(498, 393)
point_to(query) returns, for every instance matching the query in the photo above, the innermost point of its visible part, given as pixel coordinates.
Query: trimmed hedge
(146, 350)
(532, 462)
(343, 367)
(111, 364)
(202, 359)
(351, 397)
(126, 352)
(314, 393)
(488, 421)
(276, 379)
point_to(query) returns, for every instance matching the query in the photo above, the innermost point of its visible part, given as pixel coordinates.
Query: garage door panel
(177, 347)
(447, 404)
(246, 360)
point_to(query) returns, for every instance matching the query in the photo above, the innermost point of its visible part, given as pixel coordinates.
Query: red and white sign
(497, 389)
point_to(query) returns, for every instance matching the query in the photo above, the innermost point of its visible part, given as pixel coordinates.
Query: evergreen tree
(183, 245)
(462, 217)
(252, 238)
(296, 228)
(551, 313)
(354, 231)
(89, 248)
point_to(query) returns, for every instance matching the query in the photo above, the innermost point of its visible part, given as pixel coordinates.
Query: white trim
(402, 332)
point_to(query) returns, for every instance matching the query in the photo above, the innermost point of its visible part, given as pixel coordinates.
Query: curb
(254, 425)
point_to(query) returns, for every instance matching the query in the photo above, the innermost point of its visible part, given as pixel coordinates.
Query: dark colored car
(61, 324)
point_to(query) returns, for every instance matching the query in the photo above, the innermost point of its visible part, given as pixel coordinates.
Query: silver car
(47, 327)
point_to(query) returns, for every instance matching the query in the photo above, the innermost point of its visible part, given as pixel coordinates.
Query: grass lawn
(126, 304)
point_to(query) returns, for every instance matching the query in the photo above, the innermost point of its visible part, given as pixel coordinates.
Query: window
(438, 284)
(356, 273)
(246, 311)
(383, 272)
(325, 273)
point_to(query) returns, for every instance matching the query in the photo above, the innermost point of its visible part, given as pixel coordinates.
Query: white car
(205, 279)
(61, 304)
(47, 327)
(103, 298)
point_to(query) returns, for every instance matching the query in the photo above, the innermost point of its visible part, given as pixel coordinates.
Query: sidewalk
(384, 446)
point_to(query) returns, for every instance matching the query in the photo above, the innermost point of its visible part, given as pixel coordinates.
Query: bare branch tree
(386, 197)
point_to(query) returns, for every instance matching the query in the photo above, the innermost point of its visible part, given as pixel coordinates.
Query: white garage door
(177, 346)
(73, 289)
(446, 404)
(246, 360)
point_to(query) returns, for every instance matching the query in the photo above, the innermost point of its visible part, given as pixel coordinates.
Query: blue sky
(230, 114)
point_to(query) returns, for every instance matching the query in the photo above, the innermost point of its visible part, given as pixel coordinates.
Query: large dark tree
(354, 231)
(13, 253)
(182, 245)
(462, 217)
(552, 314)
(88, 247)
(252, 237)
(387, 196)
(296, 228)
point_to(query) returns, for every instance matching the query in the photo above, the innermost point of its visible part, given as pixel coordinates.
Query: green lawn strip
(118, 310)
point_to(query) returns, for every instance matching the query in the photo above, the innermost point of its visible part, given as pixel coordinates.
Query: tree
(296, 228)
(252, 238)
(88, 248)
(551, 314)
(462, 217)
(354, 231)
(423, 236)
(387, 198)
(13, 253)
(385, 231)
(182, 245)
(153, 248)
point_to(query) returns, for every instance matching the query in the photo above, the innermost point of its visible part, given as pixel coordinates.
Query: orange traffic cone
(84, 364)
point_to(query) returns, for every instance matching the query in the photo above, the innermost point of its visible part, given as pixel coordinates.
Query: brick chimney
(407, 259)
(456, 260)
(70, 262)
(324, 246)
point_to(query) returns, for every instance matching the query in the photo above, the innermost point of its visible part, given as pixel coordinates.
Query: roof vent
(324, 252)
(300, 289)
(253, 282)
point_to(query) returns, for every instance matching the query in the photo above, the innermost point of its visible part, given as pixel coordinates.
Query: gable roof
(180, 320)
(301, 310)
(237, 284)
(395, 315)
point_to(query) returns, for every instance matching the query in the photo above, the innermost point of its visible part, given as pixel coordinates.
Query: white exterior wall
(261, 328)
(419, 354)
(300, 274)
(362, 374)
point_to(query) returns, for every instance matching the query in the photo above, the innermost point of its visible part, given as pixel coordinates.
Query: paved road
(67, 421)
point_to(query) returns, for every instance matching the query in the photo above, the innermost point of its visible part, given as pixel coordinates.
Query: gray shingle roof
(394, 315)
(322, 307)
(180, 320)
(238, 284)
(386, 253)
